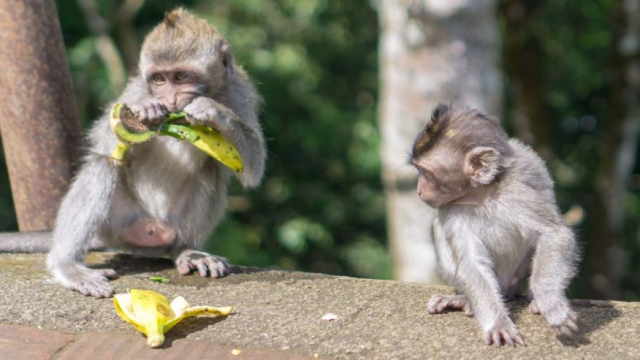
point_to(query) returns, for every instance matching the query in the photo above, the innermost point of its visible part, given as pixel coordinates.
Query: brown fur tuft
(180, 37)
(460, 130)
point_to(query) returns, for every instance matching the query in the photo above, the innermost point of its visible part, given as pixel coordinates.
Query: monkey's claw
(504, 332)
(204, 263)
(559, 315)
(149, 114)
(438, 304)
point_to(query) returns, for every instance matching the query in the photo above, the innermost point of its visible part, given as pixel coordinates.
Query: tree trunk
(431, 51)
(605, 258)
(524, 70)
(38, 118)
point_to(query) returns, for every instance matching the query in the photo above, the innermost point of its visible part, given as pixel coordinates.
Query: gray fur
(487, 250)
(163, 179)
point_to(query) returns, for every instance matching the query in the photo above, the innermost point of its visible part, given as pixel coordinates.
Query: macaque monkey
(167, 196)
(497, 224)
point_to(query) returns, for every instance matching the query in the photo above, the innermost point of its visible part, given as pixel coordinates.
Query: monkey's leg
(480, 284)
(439, 304)
(199, 213)
(82, 212)
(553, 268)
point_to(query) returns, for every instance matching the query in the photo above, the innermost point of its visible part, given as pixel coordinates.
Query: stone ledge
(281, 312)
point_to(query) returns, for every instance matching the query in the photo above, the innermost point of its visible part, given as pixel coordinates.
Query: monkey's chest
(163, 174)
(502, 241)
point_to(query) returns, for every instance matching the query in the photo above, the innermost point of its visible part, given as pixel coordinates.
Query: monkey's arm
(478, 281)
(86, 207)
(241, 127)
(554, 265)
(83, 210)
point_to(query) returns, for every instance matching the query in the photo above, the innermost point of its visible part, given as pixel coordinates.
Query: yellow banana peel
(204, 138)
(152, 314)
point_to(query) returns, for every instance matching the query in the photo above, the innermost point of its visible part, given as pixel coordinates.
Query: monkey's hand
(204, 263)
(206, 111)
(559, 315)
(148, 114)
(86, 281)
(503, 332)
(439, 304)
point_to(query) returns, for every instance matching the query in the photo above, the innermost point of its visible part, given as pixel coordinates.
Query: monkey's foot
(86, 281)
(148, 232)
(559, 315)
(438, 304)
(204, 263)
(503, 332)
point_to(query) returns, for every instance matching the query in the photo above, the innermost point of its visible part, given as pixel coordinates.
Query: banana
(152, 314)
(204, 138)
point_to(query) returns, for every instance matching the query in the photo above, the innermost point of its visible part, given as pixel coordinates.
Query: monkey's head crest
(432, 129)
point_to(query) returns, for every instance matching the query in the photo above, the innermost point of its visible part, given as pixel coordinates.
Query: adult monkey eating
(168, 196)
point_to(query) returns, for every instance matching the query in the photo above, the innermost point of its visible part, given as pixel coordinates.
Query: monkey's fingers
(96, 286)
(440, 303)
(108, 273)
(218, 266)
(503, 337)
(569, 327)
(184, 267)
(533, 308)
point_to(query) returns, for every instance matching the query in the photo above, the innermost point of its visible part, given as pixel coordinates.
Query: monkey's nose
(172, 107)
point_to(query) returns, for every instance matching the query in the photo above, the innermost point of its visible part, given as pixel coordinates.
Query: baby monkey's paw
(149, 115)
(206, 111)
(86, 281)
(559, 315)
(439, 304)
(204, 263)
(503, 332)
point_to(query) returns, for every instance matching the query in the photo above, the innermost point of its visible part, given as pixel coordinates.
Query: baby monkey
(497, 224)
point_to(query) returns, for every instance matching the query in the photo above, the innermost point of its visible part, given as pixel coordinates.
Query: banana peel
(204, 138)
(152, 314)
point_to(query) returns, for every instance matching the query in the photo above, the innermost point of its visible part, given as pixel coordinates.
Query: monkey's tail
(25, 242)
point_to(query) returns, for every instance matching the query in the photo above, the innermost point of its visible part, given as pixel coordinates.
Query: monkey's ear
(227, 58)
(482, 164)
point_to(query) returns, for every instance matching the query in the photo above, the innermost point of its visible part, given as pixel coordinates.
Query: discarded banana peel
(151, 314)
(204, 138)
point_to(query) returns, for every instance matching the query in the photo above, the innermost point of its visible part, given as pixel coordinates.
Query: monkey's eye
(158, 79)
(182, 76)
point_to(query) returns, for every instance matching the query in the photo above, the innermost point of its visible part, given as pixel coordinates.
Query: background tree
(38, 119)
(428, 55)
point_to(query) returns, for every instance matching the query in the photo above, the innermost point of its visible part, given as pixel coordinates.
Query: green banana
(204, 138)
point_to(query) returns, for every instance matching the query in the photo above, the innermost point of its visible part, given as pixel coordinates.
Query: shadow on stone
(189, 326)
(132, 265)
(589, 319)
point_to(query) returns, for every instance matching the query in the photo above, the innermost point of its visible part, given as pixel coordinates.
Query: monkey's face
(438, 184)
(176, 87)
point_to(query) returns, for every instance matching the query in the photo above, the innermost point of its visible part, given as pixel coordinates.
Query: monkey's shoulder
(528, 169)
